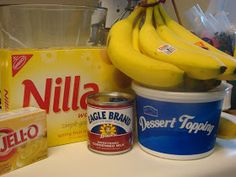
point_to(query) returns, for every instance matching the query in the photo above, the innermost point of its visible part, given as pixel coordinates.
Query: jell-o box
(23, 138)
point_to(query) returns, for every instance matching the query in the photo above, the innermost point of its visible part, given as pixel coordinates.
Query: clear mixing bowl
(51, 25)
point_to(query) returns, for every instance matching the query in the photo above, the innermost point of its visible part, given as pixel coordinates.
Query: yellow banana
(195, 65)
(137, 66)
(227, 126)
(169, 36)
(188, 37)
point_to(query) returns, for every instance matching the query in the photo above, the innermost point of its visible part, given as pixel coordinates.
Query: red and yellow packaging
(58, 81)
(23, 138)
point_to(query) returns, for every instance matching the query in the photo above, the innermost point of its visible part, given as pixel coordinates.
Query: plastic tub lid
(185, 97)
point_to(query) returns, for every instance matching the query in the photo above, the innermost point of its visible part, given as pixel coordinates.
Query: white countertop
(75, 160)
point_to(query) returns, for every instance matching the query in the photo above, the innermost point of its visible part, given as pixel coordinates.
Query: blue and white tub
(178, 125)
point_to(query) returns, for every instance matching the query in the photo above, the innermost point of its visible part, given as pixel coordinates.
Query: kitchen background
(117, 7)
(76, 160)
(177, 9)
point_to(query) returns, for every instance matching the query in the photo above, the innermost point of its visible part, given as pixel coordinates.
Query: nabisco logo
(18, 61)
(10, 140)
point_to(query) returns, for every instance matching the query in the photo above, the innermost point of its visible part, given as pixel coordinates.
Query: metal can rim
(126, 99)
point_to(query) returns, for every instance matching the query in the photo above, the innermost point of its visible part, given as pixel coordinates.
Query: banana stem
(164, 14)
(135, 13)
(149, 13)
(135, 34)
(157, 16)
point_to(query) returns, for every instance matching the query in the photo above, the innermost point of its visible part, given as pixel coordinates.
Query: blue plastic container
(178, 125)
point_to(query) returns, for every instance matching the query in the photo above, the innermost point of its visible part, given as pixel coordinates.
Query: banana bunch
(147, 47)
(139, 67)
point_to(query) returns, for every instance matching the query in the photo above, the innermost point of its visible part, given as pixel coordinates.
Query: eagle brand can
(110, 122)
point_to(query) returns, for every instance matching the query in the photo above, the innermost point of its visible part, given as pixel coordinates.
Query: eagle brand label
(110, 128)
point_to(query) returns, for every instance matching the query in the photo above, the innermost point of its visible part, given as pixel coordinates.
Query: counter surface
(75, 160)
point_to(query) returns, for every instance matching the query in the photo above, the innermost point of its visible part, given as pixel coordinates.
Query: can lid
(184, 97)
(110, 99)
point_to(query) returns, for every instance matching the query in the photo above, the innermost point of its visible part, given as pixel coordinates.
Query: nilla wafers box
(58, 81)
(23, 138)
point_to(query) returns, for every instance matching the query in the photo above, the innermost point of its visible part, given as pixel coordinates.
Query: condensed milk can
(110, 122)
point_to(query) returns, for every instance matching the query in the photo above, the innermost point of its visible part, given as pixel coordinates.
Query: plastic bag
(214, 29)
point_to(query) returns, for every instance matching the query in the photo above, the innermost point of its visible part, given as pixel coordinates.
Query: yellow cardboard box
(23, 138)
(58, 81)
